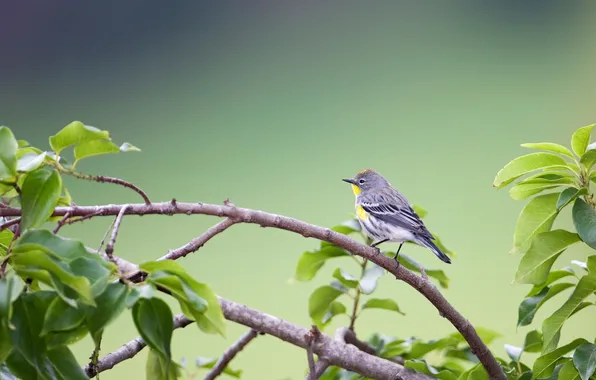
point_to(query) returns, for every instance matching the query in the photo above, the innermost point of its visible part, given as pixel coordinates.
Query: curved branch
(422, 285)
(230, 353)
(335, 352)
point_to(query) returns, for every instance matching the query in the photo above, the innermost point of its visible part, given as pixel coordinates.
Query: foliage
(555, 178)
(54, 292)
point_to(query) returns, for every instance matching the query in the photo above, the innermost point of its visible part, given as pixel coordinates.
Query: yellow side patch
(355, 189)
(361, 213)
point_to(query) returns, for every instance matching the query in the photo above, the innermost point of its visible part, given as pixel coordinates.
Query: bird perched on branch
(386, 216)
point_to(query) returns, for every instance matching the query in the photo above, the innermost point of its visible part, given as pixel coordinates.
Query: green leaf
(319, 302)
(382, 303)
(525, 164)
(8, 152)
(545, 364)
(28, 318)
(47, 269)
(513, 352)
(580, 139)
(553, 276)
(568, 372)
(419, 210)
(584, 220)
(368, 282)
(10, 289)
(310, 262)
(154, 321)
(522, 191)
(551, 147)
(40, 194)
(65, 364)
(76, 133)
(64, 248)
(530, 305)
(160, 368)
(5, 342)
(422, 367)
(110, 305)
(591, 264)
(60, 316)
(140, 291)
(336, 308)
(533, 341)
(544, 250)
(551, 326)
(475, 373)
(210, 363)
(413, 265)
(420, 348)
(21, 368)
(93, 148)
(210, 320)
(537, 216)
(128, 147)
(584, 359)
(588, 159)
(345, 278)
(569, 195)
(30, 161)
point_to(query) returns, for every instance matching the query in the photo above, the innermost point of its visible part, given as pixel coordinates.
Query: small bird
(386, 216)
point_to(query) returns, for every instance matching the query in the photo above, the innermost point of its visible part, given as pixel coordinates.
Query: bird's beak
(349, 180)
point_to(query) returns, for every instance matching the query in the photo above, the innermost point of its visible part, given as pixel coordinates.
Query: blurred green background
(271, 103)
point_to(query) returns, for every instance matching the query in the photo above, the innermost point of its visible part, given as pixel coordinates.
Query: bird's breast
(361, 213)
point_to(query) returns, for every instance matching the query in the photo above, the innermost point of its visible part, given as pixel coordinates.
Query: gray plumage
(386, 214)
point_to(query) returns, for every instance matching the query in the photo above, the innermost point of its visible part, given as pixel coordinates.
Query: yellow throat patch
(361, 213)
(355, 189)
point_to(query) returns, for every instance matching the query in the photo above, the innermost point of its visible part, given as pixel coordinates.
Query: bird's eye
(361, 181)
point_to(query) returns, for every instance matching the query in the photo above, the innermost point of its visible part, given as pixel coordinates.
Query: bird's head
(365, 180)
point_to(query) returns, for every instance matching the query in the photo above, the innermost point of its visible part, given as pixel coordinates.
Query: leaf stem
(357, 297)
(102, 179)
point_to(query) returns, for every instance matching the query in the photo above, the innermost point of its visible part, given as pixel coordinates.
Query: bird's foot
(423, 273)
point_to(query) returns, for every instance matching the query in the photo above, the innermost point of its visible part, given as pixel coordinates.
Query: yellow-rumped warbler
(385, 214)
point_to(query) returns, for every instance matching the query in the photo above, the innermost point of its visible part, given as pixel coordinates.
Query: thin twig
(110, 246)
(82, 218)
(230, 353)
(129, 350)
(310, 357)
(61, 223)
(10, 223)
(192, 245)
(357, 297)
(423, 286)
(104, 179)
(105, 235)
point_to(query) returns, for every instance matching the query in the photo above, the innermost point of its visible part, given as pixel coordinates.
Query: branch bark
(230, 353)
(335, 352)
(422, 285)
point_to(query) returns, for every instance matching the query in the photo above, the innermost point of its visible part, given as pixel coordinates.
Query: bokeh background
(271, 103)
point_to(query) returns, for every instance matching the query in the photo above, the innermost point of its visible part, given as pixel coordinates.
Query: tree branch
(10, 223)
(104, 179)
(424, 286)
(230, 353)
(335, 352)
(190, 247)
(128, 351)
(112, 242)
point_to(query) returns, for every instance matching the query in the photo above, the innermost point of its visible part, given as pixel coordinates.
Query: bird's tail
(428, 243)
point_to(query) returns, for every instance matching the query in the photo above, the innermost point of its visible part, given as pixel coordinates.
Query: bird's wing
(396, 211)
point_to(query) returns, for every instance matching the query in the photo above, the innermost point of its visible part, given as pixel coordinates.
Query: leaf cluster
(54, 291)
(554, 179)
